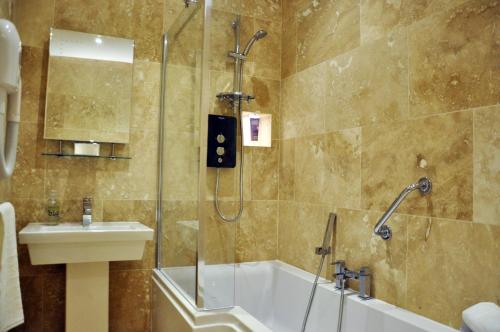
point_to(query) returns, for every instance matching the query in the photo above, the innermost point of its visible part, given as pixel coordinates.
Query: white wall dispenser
(10, 96)
(256, 129)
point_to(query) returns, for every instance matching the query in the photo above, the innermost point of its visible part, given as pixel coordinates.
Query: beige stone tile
(222, 38)
(34, 69)
(6, 9)
(265, 172)
(454, 59)
(303, 103)
(181, 103)
(358, 246)
(368, 85)
(487, 165)
(301, 229)
(289, 45)
(54, 292)
(172, 10)
(326, 29)
(266, 52)
(179, 241)
(114, 18)
(457, 250)
(33, 19)
(186, 41)
(263, 9)
(379, 17)
(256, 237)
(439, 147)
(219, 237)
(310, 173)
(267, 99)
(28, 178)
(287, 170)
(342, 186)
(130, 300)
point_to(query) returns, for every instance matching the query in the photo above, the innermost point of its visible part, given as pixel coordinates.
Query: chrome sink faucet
(343, 274)
(87, 211)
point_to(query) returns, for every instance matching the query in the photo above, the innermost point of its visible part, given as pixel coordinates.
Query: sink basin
(74, 243)
(86, 251)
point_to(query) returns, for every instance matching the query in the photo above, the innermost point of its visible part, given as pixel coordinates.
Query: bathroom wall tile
(141, 211)
(368, 84)
(457, 250)
(130, 300)
(393, 156)
(289, 45)
(145, 95)
(129, 179)
(222, 38)
(326, 29)
(310, 173)
(33, 73)
(454, 59)
(186, 41)
(267, 99)
(6, 9)
(28, 178)
(113, 18)
(303, 103)
(172, 10)
(301, 228)
(33, 19)
(263, 9)
(265, 172)
(378, 17)
(487, 165)
(181, 99)
(54, 292)
(180, 233)
(72, 179)
(342, 164)
(266, 52)
(217, 231)
(358, 246)
(287, 170)
(256, 237)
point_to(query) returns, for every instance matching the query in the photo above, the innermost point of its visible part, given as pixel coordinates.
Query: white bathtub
(272, 296)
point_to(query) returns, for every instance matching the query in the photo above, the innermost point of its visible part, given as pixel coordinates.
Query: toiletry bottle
(53, 208)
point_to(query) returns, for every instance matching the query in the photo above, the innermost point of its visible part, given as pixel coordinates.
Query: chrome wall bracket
(424, 185)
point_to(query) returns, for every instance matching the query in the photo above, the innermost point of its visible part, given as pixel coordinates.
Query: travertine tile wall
(122, 190)
(376, 94)
(254, 237)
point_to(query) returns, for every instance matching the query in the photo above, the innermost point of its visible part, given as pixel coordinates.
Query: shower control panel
(221, 142)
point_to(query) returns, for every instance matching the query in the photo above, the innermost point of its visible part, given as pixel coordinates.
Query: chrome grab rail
(424, 185)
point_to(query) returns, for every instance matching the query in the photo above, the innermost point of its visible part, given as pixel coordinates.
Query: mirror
(89, 87)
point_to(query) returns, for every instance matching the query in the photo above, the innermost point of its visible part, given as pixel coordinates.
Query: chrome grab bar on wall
(424, 185)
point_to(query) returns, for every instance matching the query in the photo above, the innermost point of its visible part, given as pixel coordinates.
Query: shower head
(258, 35)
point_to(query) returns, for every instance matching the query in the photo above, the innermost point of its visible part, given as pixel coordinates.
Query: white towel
(11, 306)
(482, 317)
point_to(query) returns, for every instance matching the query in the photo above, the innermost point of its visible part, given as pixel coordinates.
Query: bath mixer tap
(87, 211)
(343, 274)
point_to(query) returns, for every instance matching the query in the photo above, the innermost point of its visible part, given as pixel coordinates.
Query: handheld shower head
(258, 35)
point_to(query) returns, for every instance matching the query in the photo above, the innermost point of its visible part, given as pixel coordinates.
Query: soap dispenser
(53, 208)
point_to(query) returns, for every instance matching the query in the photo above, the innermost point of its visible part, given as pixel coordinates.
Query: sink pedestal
(87, 289)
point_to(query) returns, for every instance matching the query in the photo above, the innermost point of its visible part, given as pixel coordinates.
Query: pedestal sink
(87, 251)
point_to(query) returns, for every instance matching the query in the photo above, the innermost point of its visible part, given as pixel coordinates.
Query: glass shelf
(70, 155)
